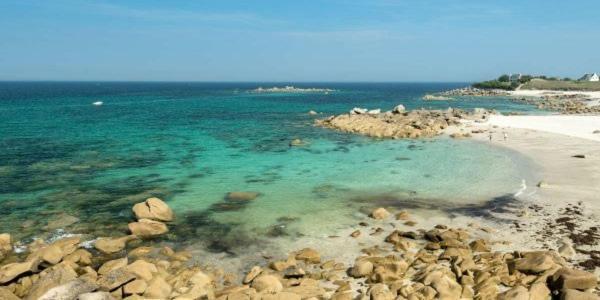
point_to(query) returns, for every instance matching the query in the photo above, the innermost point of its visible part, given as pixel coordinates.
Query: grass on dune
(563, 85)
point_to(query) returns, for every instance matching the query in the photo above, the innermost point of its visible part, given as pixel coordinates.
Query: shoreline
(529, 220)
(500, 229)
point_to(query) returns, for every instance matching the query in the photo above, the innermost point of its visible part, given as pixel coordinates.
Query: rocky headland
(399, 123)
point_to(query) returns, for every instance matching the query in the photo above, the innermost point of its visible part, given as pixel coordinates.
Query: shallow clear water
(191, 143)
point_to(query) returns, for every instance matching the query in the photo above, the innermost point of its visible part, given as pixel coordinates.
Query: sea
(76, 156)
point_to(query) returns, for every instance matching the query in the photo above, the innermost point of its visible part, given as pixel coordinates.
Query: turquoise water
(191, 143)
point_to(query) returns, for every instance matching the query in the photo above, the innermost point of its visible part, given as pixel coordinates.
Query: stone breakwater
(399, 123)
(438, 263)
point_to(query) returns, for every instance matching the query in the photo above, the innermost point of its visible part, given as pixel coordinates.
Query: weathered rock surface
(153, 209)
(146, 228)
(5, 245)
(5, 294)
(51, 278)
(96, 296)
(69, 291)
(112, 265)
(577, 295)
(309, 255)
(11, 271)
(267, 284)
(115, 279)
(534, 262)
(142, 269)
(113, 245)
(567, 278)
(158, 288)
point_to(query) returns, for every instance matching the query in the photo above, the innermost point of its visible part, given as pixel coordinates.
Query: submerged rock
(430, 97)
(62, 221)
(380, 213)
(241, 196)
(297, 143)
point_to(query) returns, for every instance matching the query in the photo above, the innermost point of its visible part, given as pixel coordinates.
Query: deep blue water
(190, 143)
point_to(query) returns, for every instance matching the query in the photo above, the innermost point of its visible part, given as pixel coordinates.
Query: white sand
(575, 126)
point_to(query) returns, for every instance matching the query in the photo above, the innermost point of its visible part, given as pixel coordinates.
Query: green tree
(525, 78)
(504, 78)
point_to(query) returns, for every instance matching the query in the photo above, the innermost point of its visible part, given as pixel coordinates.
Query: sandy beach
(552, 142)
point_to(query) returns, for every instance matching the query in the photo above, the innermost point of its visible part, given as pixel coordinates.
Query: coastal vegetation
(540, 82)
(503, 82)
(563, 85)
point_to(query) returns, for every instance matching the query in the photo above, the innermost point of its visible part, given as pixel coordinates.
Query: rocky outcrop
(473, 92)
(400, 124)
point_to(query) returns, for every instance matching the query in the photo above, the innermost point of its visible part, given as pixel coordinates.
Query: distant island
(588, 82)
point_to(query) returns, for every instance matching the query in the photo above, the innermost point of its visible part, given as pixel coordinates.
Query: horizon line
(223, 81)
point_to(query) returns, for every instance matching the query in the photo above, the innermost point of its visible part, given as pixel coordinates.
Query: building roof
(588, 76)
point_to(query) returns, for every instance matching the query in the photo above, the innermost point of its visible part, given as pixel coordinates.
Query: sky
(309, 40)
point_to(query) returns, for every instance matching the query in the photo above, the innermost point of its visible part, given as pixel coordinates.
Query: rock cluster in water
(399, 123)
(566, 104)
(440, 263)
(430, 97)
(474, 92)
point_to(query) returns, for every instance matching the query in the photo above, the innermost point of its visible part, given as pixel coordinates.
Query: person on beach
(505, 136)
(490, 136)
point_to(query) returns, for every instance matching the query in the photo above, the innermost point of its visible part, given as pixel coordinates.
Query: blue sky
(277, 40)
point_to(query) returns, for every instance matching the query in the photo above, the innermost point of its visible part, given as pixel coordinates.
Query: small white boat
(98, 103)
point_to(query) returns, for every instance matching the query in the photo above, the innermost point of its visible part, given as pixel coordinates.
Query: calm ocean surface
(191, 143)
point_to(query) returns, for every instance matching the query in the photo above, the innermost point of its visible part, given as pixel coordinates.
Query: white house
(590, 77)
